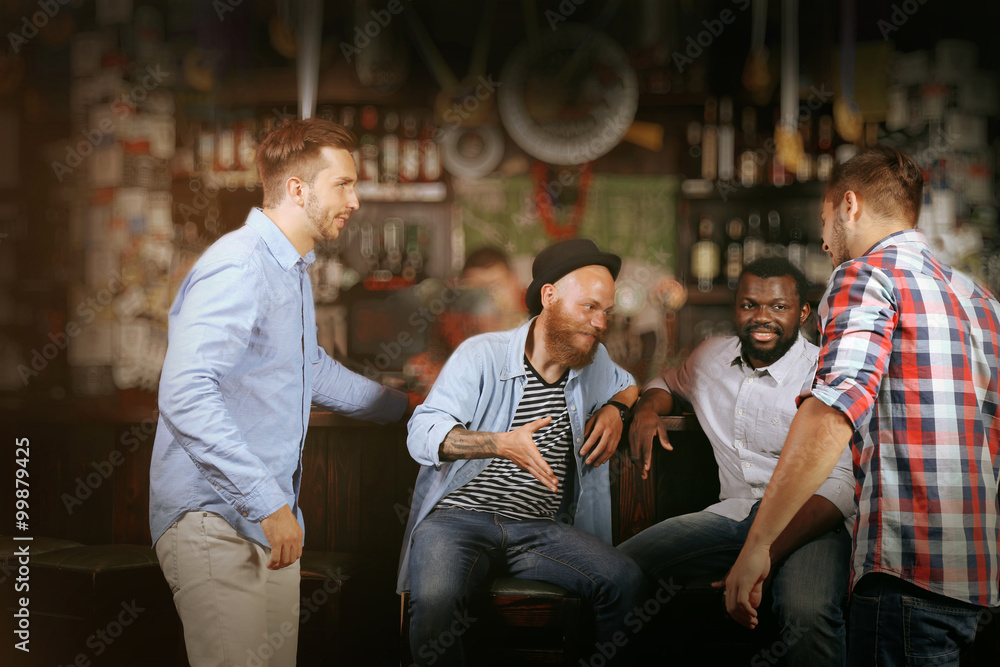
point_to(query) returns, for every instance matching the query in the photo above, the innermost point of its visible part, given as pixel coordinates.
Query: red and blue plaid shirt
(909, 353)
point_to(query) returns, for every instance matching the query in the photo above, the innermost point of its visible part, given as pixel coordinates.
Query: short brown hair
(888, 181)
(293, 149)
(485, 257)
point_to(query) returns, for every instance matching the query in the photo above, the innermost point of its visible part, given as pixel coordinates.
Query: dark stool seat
(518, 622)
(328, 586)
(107, 602)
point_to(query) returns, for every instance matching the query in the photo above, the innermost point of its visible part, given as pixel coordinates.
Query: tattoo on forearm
(463, 444)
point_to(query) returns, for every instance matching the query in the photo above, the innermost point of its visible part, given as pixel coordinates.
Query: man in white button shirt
(743, 389)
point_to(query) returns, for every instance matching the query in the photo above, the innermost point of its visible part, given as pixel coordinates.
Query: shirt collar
(780, 369)
(277, 243)
(904, 237)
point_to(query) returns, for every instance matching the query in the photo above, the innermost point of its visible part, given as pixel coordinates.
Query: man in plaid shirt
(908, 374)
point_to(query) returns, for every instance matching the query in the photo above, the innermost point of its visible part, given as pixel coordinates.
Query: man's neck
(293, 231)
(538, 356)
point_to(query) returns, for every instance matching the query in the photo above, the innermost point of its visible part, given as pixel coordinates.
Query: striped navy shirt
(505, 489)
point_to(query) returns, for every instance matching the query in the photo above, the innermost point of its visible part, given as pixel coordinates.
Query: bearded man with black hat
(512, 440)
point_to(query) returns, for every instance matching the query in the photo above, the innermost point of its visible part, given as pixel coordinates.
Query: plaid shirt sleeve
(858, 317)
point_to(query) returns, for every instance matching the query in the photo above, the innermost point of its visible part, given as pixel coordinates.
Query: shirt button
(774, 421)
(740, 411)
(578, 439)
(217, 487)
(739, 443)
(247, 513)
(573, 408)
(746, 465)
(749, 380)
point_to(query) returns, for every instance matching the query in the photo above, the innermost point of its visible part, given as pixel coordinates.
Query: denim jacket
(479, 388)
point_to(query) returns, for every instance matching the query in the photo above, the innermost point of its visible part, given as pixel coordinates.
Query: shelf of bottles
(397, 158)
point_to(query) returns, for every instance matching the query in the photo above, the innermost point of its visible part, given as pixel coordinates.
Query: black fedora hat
(561, 258)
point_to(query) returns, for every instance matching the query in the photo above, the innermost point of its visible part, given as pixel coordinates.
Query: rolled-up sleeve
(450, 403)
(210, 332)
(859, 317)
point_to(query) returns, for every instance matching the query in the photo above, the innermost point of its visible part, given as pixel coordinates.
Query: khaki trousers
(235, 611)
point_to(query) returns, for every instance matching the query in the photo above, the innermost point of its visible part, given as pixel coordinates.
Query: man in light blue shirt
(511, 442)
(241, 371)
(743, 390)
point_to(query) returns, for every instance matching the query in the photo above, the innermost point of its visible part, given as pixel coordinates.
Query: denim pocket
(934, 634)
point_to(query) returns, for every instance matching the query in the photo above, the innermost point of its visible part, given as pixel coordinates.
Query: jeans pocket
(934, 633)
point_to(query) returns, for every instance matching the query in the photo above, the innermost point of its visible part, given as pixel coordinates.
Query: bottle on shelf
(692, 168)
(392, 235)
(824, 146)
(777, 175)
(348, 119)
(727, 140)
(430, 153)
(369, 144)
(409, 151)
(753, 242)
(710, 142)
(705, 255)
(734, 253)
(749, 156)
(389, 148)
(796, 241)
(225, 146)
(774, 246)
(804, 167)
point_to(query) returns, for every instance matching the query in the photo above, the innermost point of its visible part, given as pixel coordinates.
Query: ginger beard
(571, 344)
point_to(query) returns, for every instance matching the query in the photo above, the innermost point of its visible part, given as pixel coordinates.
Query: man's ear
(804, 312)
(549, 295)
(852, 206)
(295, 190)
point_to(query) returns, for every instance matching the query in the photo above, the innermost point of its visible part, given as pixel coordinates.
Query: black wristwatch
(623, 410)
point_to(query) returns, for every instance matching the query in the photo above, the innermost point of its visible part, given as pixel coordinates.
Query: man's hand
(745, 584)
(604, 430)
(519, 446)
(284, 535)
(646, 425)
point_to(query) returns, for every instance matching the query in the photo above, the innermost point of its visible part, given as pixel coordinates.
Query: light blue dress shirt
(242, 370)
(746, 413)
(479, 388)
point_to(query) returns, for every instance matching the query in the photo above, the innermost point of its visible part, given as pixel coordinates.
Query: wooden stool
(107, 603)
(518, 622)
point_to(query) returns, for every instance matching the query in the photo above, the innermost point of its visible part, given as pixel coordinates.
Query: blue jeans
(895, 622)
(806, 590)
(455, 550)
